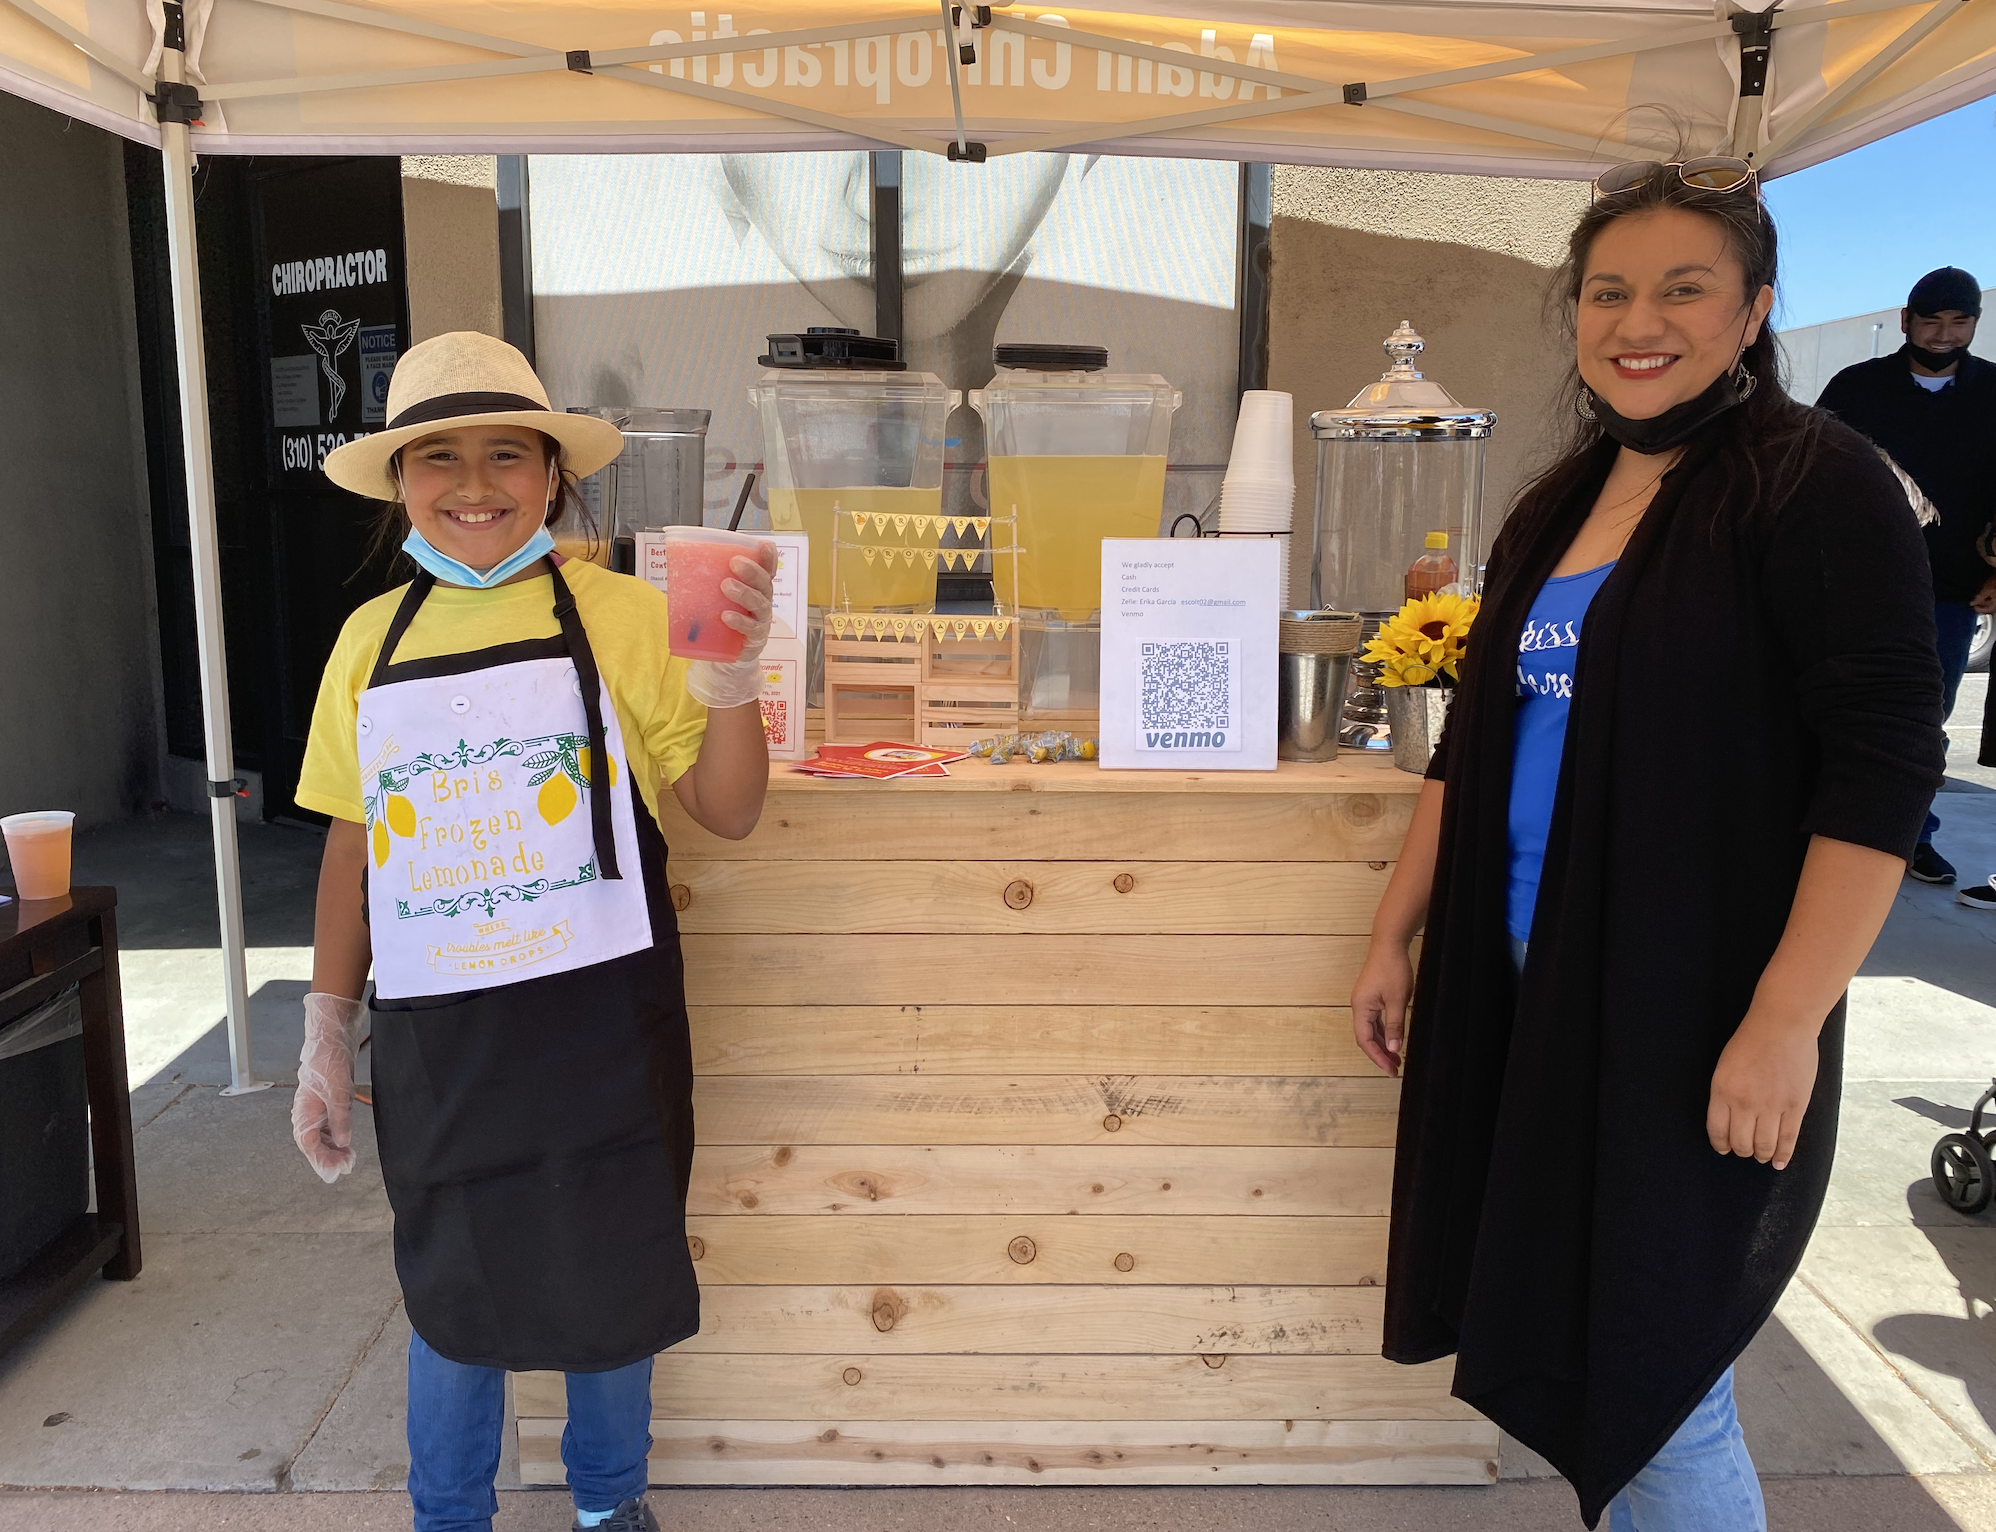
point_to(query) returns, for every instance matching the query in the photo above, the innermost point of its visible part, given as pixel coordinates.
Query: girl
(490, 742)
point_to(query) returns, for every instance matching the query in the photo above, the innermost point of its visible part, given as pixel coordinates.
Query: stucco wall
(80, 723)
(450, 221)
(1465, 259)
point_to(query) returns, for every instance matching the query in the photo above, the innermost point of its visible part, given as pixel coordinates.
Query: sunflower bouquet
(1422, 643)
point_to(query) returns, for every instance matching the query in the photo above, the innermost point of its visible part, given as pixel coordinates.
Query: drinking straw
(748, 487)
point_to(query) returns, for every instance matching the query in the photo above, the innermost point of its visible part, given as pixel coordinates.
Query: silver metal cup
(1310, 706)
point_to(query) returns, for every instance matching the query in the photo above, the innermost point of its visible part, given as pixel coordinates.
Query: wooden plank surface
(1046, 1109)
(1022, 970)
(1353, 771)
(1135, 826)
(997, 1039)
(904, 1318)
(1058, 898)
(890, 1179)
(1037, 1248)
(1048, 1452)
(690, 1386)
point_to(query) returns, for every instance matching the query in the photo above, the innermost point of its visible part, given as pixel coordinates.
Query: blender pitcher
(1076, 453)
(845, 424)
(659, 480)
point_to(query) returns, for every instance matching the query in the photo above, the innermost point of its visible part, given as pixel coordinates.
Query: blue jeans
(1954, 632)
(457, 1415)
(1702, 1480)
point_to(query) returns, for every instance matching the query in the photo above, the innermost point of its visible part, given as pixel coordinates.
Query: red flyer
(880, 761)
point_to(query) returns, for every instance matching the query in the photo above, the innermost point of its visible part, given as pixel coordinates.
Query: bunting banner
(900, 526)
(959, 523)
(859, 523)
(903, 628)
(929, 557)
(981, 523)
(880, 520)
(871, 553)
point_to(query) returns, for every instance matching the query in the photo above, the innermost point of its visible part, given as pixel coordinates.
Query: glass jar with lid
(1399, 462)
(1402, 462)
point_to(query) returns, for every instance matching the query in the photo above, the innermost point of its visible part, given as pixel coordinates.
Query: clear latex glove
(322, 1110)
(738, 681)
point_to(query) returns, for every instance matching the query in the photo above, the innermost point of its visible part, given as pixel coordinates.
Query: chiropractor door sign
(482, 865)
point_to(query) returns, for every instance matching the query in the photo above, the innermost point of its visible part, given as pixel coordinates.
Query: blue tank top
(1548, 650)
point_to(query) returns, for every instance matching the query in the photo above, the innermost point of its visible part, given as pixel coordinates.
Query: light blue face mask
(444, 567)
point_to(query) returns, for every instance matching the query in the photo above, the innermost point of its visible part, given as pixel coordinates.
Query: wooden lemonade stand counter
(1034, 1146)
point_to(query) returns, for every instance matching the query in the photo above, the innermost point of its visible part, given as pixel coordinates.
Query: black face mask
(1676, 425)
(1935, 361)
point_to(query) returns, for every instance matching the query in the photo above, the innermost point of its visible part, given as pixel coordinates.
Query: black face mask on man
(1935, 361)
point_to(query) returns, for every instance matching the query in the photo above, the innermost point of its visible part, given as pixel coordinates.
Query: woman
(1694, 743)
(531, 1067)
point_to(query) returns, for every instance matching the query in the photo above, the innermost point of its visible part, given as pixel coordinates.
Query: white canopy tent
(1513, 87)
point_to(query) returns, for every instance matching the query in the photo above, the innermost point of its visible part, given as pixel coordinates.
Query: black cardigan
(1559, 1220)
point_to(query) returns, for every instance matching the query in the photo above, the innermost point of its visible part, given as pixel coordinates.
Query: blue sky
(1857, 231)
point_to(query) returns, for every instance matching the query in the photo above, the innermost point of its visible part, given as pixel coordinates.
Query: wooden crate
(1033, 1145)
(924, 683)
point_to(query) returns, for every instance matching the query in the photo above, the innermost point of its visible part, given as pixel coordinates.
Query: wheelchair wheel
(1963, 1173)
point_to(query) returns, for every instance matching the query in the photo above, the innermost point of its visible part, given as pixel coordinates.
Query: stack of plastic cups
(1258, 496)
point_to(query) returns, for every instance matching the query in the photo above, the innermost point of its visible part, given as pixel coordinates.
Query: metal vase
(1415, 715)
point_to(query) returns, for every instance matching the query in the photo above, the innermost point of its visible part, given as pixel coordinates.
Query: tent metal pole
(178, 159)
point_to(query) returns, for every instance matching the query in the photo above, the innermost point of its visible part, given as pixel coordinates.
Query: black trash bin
(44, 1129)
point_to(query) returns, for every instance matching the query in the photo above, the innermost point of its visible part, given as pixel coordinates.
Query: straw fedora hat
(466, 379)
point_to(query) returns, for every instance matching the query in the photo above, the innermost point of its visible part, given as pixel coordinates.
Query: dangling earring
(1744, 382)
(1583, 403)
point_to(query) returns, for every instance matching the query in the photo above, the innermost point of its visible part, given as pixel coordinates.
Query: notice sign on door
(1189, 653)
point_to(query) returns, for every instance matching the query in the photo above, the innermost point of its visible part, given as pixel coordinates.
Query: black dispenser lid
(1038, 356)
(833, 346)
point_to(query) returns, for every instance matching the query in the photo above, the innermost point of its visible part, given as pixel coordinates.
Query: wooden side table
(45, 946)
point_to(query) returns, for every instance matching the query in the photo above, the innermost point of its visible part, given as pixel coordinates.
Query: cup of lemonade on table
(697, 560)
(38, 851)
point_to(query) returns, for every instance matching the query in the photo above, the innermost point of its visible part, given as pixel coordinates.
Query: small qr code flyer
(1189, 653)
(783, 699)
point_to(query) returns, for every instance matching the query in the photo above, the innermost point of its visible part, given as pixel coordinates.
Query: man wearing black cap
(1932, 406)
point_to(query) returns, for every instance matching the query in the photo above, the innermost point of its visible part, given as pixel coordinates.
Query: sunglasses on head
(1713, 173)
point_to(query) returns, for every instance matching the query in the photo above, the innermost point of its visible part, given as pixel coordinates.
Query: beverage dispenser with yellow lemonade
(1076, 453)
(845, 425)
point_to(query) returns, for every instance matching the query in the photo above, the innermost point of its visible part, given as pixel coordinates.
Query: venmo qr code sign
(1189, 694)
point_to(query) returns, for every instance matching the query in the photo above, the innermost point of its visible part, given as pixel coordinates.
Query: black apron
(536, 1138)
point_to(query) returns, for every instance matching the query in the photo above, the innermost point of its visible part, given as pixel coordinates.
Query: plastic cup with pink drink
(697, 560)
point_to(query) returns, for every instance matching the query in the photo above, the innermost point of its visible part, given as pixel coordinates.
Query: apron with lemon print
(531, 1065)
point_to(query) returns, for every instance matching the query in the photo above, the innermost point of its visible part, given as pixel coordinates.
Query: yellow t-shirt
(663, 723)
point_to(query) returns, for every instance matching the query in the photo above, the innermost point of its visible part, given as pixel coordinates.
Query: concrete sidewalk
(261, 1350)
(1899, 1504)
